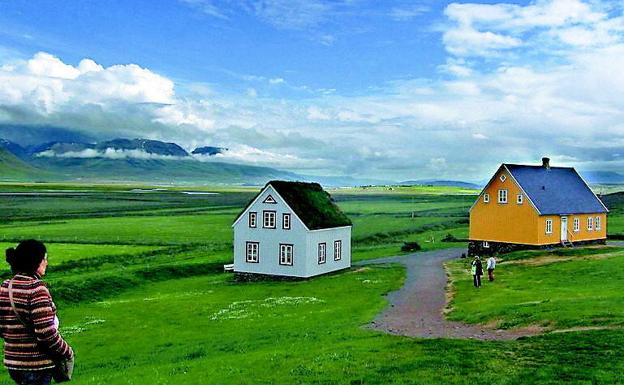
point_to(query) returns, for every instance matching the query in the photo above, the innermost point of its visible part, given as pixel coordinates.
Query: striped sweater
(22, 349)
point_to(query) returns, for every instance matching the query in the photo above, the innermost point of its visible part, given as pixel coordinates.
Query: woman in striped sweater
(30, 350)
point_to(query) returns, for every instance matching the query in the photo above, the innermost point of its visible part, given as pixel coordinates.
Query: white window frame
(322, 253)
(597, 224)
(268, 219)
(549, 226)
(503, 178)
(337, 250)
(590, 224)
(519, 199)
(253, 219)
(502, 196)
(252, 252)
(286, 221)
(577, 225)
(286, 254)
(486, 198)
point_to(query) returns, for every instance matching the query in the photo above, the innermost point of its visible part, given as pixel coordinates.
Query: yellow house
(535, 206)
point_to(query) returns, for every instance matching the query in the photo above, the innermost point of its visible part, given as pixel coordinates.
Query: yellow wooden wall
(575, 236)
(509, 222)
(521, 223)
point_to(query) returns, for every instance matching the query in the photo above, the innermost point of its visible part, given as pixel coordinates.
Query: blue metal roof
(556, 190)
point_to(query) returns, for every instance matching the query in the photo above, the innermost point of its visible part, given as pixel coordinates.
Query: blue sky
(399, 89)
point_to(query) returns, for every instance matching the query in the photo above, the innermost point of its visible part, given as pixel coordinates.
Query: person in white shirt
(491, 265)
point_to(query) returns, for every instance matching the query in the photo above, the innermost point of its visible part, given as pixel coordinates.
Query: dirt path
(417, 308)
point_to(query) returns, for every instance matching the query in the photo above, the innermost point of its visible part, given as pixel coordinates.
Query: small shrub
(450, 238)
(410, 246)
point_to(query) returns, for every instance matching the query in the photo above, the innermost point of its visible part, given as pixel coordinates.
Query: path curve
(417, 308)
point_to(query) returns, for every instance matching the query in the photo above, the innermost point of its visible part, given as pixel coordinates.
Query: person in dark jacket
(477, 271)
(30, 352)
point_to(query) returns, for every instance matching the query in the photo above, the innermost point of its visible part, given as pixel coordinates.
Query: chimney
(546, 163)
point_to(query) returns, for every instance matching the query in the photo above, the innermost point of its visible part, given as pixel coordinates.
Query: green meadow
(138, 279)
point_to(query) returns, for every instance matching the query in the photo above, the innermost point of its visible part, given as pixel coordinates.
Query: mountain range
(127, 160)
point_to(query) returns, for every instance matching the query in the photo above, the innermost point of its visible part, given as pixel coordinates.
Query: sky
(379, 89)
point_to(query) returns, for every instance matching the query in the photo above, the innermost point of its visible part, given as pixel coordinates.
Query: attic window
(503, 178)
(268, 219)
(486, 198)
(269, 199)
(502, 196)
(519, 199)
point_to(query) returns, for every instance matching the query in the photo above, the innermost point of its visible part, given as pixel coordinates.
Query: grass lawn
(143, 299)
(59, 253)
(556, 290)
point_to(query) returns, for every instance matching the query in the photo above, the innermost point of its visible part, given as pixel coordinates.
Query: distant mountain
(448, 183)
(14, 148)
(28, 135)
(149, 146)
(158, 170)
(603, 177)
(59, 147)
(13, 168)
(209, 150)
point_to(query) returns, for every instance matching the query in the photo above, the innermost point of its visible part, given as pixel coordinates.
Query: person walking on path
(477, 271)
(28, 323)
(491, 265)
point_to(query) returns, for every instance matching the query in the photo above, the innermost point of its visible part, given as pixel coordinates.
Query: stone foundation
(477, 248)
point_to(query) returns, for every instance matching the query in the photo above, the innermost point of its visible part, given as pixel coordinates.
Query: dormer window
(503, 178)
(486, 198)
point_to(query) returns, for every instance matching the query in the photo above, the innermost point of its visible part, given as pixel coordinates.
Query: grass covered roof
(312, 204)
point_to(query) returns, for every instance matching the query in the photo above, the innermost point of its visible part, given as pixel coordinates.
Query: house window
(486, 198)
(268, 219)
(286, 221)
(252, 252)
(486, 244)
(519, 199)
(252, 219)
(548, 226)
(270, 200)
(577, 225)
(597, 223)
(286, 254)
(503, 178)
(590, 224)
(337, 250)
(322, 253)
(502, 196)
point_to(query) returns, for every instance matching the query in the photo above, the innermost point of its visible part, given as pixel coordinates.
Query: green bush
(410, 246)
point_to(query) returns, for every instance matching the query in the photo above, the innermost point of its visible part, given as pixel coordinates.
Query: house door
(564, 228)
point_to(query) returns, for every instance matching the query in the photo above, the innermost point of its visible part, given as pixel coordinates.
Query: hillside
(157, 170)
(13, 168)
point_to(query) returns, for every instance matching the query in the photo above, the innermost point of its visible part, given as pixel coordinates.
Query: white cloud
(47, 84)
(109, 153)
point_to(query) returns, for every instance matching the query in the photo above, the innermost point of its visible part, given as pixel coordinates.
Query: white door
(564, 228)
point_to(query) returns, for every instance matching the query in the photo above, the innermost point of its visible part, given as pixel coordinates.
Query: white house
(292, 229)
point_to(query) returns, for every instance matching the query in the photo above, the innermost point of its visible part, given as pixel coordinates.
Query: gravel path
(417, 308)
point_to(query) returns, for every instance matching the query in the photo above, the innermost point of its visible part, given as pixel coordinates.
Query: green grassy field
(142, 297)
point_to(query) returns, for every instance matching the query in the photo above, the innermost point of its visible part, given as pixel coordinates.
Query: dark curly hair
(26, 257)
